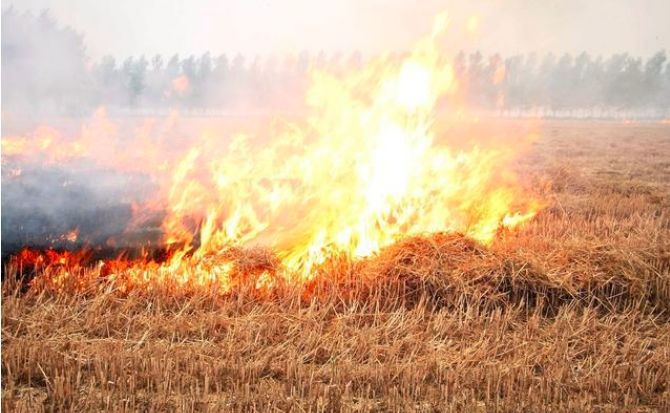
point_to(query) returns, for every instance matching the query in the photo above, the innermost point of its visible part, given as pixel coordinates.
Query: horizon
(518, 27)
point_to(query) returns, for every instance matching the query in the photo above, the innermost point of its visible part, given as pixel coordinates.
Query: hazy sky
(133, 27)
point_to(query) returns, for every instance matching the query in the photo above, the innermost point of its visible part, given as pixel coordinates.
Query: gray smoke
(48, 79)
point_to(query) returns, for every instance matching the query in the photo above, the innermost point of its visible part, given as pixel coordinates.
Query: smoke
(49, 79)
(46, 71)
(43, 204)
(104, 177)
(79, 179)
(43, 65)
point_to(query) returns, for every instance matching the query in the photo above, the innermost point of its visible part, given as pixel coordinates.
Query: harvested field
(570, 312)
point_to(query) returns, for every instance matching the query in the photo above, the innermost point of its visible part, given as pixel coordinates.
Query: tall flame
(366, 168)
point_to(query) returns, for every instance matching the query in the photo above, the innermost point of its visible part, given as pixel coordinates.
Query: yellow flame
(366, 170)
(367, 167)
(473, 24)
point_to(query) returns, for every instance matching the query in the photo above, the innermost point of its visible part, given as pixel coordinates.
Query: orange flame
(367, 167)
(367, 170)
(181, 84)
(70, 236)
(472, 24)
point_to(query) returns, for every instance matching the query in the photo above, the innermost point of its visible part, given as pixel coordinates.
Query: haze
(128, 27)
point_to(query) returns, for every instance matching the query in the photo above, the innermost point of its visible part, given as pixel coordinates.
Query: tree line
(44, 68)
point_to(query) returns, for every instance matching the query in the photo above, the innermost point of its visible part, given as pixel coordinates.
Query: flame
(70, 236)
(499, 74)
(473, 24)
(366, 168)
(181, 84)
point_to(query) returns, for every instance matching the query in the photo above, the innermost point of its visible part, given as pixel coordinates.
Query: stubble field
(571, 312)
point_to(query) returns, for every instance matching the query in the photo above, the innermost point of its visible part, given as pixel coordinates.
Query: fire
(473, 24)
(366, 168)
(70, 236)
(181, 84)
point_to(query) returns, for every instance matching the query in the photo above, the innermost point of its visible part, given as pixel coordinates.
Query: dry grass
(571, 313)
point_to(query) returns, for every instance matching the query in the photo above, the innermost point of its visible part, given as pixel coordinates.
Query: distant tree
(494, 82)
(665, 93)
(527, 80)
(652, 88)
(238, 66)
(270, 82)
(205, 67)
(201, 81)
(633, 80)
(544, 85)
(475, 79)
(44, 67)
(613, 76)
(562, 84)
(580, 85)
(134, 74)
(155, 83)
(173, 67)
(515, 83)
(222, 66)
(254, 84)
(106, 81)
(238, 80)
(221, 80)
(596, 78)
(157, 63)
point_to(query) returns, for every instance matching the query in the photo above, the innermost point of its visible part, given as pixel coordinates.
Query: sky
(263, 27)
